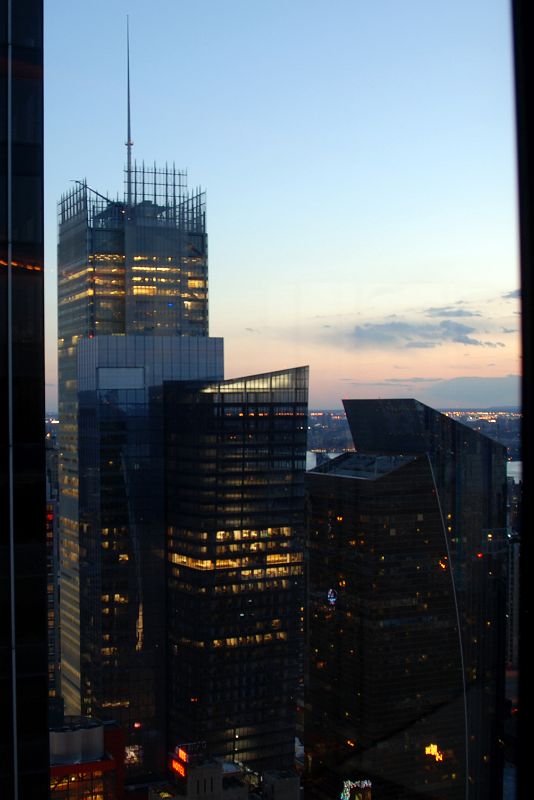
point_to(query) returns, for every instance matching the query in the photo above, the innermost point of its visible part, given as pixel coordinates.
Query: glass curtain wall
(235, 454)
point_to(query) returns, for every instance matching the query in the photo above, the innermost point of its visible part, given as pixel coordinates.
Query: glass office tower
(235, 458)
(23, 623)
(132, 282)
(123, 633)
(406, 593)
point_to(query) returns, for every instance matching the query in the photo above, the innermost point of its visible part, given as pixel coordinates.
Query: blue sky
(359, 164)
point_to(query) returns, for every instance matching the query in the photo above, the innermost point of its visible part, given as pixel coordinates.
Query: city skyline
(182, 491)
(377, 147)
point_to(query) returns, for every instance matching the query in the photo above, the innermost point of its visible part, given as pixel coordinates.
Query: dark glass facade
(406, 609)
(52, 597)
(52, 565)
(235, 455)
(121, 560)
(23, 626)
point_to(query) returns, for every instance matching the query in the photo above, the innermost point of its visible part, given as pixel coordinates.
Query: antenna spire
(129, 142)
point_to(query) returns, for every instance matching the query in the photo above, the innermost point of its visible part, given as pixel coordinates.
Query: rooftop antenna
(129, 142)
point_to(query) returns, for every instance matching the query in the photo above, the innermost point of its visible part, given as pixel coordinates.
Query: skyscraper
(406, 609)
(235, 457)
(23, 625)
(132, 313)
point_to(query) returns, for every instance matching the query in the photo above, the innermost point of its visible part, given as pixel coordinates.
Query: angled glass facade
(235, 455)
(406, 608)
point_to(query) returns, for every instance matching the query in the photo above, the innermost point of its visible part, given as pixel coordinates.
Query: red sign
(178, 767)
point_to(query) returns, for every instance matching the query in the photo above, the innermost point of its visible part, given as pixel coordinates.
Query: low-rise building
(86, 760)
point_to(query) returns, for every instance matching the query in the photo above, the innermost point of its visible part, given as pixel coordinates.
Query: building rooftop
(362, 465)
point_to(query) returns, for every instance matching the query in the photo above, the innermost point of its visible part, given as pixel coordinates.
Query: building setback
(23, 625)
(406, 609)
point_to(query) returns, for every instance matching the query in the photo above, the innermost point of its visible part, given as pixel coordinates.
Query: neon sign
(183, 755)
(178, 767)
(433, 750)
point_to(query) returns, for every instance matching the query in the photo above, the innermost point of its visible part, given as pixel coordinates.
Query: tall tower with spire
(129, 143)
(181, 493)
(133, 311)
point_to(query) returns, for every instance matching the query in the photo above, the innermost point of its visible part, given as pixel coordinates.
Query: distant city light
(433, 750)
(348, 785)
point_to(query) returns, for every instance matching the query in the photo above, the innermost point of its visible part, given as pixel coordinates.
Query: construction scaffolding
(159, 195)
(162, 194)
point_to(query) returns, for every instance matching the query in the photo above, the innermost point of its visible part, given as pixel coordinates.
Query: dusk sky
(359, 162)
